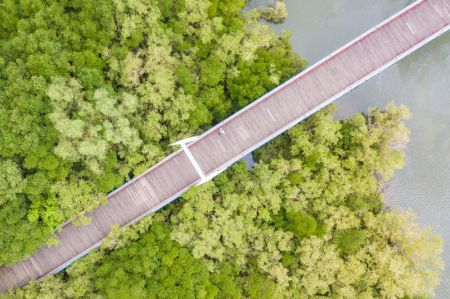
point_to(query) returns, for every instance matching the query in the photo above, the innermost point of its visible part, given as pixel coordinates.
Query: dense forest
(92, 93)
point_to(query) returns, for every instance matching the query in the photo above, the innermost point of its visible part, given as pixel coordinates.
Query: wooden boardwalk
(245, 131)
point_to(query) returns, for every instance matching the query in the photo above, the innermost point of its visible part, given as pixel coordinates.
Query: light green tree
(89, 128)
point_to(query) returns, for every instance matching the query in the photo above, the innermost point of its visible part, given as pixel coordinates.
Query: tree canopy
(92, 93)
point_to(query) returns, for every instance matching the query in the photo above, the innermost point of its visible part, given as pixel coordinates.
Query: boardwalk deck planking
(246, 130)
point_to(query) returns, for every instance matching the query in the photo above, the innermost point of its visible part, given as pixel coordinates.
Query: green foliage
(289, 260)
(91, 94)
(227, 279)
(11, 181)
(360, 203)
(275, 12)
(259, 286)
(212, 71)
(295, 178)
(89, 128)
(154, 267)
(301, 224)
(240, 229)
(350, 241)
(18, 233)
(258, 76)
